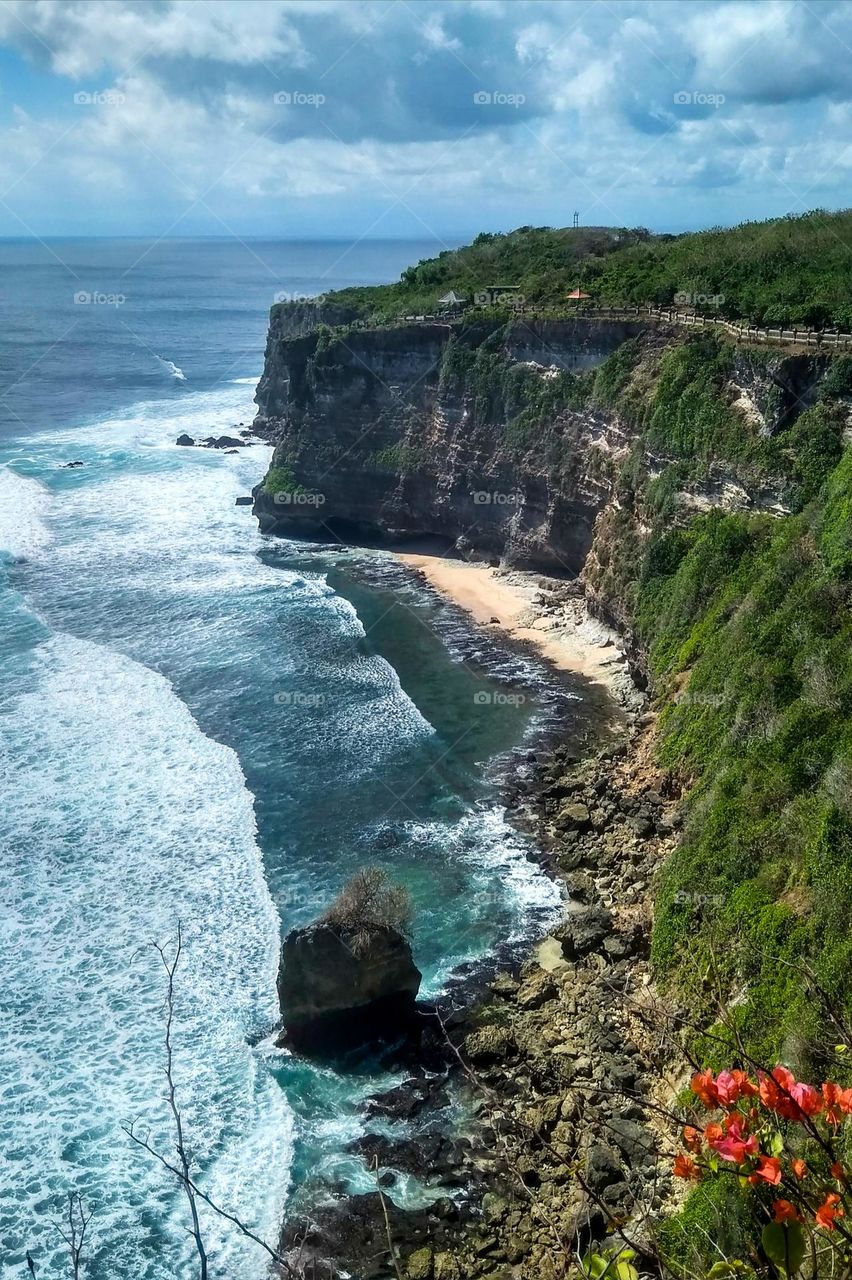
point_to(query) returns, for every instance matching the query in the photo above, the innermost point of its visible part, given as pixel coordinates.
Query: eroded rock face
(381, 443)
(335, 997)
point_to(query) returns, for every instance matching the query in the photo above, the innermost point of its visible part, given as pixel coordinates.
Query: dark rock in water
(338, 991)
(223, 442)
(245, 500)
(73, 464)
(185, 440)
(232, 450)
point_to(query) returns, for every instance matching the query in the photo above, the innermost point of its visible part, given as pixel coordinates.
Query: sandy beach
(535, 609)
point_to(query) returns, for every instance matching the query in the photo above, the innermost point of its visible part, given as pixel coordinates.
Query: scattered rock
(185, 440)
(76, 463)
(244, 500)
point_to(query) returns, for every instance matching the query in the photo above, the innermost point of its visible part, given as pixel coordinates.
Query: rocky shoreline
(529, 1103)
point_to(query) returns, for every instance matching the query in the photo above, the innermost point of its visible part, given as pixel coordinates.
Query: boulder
(339, 992)
(244, 500)
(223, 442)
(583, 931)
(185, 440)
(491, 1043)
(574, 815)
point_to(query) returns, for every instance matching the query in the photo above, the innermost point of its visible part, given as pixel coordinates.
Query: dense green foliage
(280, 480)
(757, 613)
(790, 271)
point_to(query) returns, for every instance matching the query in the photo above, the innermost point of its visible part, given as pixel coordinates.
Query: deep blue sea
(200, 725)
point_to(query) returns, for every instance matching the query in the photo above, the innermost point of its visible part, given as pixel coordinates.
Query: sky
(418, 118)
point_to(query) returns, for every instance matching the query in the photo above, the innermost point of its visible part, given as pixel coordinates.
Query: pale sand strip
(537, 610)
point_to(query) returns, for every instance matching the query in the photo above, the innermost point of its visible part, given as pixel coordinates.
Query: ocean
(202, 726)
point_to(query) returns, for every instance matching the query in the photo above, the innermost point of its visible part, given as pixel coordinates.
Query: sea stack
(349, 980)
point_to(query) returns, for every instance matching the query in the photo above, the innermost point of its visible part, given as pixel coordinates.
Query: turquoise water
(202, 725)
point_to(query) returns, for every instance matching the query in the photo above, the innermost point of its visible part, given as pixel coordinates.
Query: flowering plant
(779, 1135)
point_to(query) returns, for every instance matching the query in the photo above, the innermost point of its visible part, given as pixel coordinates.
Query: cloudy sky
(418, 117)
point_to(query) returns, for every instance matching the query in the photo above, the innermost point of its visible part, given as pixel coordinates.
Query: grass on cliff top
(787, 271)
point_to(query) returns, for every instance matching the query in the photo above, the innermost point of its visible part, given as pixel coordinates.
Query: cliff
(498, 439)
(702, 493)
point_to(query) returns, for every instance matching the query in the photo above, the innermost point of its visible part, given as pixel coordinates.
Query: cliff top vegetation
(795, 270)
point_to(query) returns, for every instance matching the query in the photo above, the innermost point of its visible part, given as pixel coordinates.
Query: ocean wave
(124, 818)
(23, 529)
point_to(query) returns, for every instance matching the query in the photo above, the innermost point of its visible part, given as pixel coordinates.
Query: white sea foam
(124, 818)
(23, 503)
(245, 382)
(173, 369)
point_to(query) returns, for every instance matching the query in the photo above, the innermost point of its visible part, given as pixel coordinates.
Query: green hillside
(792, 271)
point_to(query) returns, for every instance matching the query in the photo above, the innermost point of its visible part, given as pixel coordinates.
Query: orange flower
(768, 1169)
(713, 1133)
(786, 1211)
(776, 1093)
(799, 1168)
(828, 1211)
(685, 1167)
(704, 1087)
(836, 1100)
(837, 1171)
(691, 1138)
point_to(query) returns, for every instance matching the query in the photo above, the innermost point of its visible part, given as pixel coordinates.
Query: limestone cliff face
(457, 433)
(379, 436)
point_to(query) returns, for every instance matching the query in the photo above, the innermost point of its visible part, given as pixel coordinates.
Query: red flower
(799, 1168)
(733, 1085)
(808, 1098)
(685, 1167)
(691, 1138)
(837, 1171)
(735, 1145)
(828, 1211)
(786, 1211)
(704, 1087)
(768, 1169)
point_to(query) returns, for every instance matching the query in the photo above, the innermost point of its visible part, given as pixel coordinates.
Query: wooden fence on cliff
(815, 339)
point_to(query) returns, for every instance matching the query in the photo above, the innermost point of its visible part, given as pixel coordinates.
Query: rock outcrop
(338, 992)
